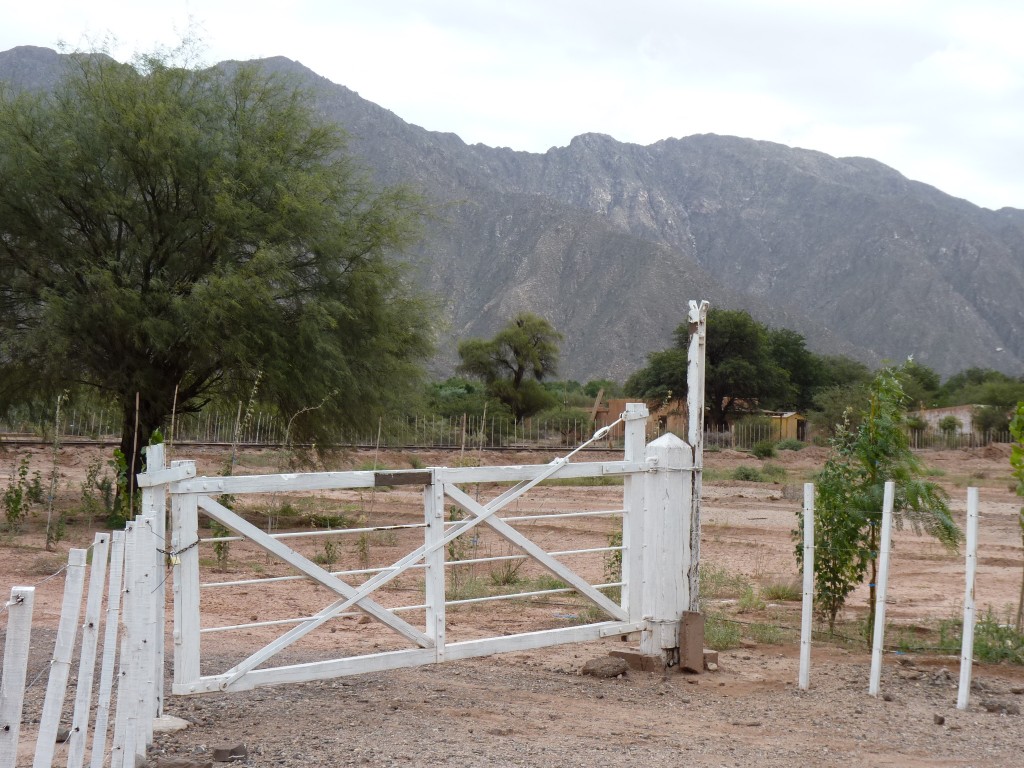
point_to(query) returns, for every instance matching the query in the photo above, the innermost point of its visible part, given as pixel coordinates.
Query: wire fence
(266, 428)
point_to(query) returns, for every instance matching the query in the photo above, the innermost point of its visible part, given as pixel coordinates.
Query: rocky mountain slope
(609, 240)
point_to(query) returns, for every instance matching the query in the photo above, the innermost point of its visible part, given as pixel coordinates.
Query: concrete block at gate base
(641, 662)
(691, 643)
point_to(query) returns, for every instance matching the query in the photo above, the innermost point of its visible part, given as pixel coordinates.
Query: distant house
(669, 417)
(674, 417)
(932, 416)
(787, 425)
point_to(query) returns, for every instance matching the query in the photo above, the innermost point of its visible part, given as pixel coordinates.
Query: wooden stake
(806, 617)
(967, 647)
(880, 590)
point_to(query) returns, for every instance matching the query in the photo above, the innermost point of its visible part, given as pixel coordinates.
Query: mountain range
(609, 240)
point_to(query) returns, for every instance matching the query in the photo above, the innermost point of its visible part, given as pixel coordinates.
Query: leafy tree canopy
(850, 491)
(513, 364)
(920, 384)
(164, 226)
(744, 362)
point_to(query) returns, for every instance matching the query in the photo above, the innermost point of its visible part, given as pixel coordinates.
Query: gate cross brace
(244, 528)
(386, 575)
(514, 537)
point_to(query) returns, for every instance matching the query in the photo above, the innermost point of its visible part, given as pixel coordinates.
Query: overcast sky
(933, 88)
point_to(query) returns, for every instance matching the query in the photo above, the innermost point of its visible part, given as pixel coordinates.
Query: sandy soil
(535, 708)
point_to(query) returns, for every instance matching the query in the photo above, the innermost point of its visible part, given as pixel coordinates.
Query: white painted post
(60, 667)
(124, 721)
(666, 542)
(433, 510)
(110, 633)
(697, 318)
(967, 648)
(154, 502)
(184, 534)
(807, 613)
(880, 589)
(145, 625)
(635, 417)
(12, 684)
(87, 658)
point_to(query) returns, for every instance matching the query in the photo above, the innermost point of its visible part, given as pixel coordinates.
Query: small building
(669, 417)
(788, 425)
(933, 416)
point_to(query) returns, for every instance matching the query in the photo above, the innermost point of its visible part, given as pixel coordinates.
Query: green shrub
(791, 444)
(721, 634)
(748, 474)
(749, 601)
(764, 449)
(715, 581)
(765, 634)
(783, 591)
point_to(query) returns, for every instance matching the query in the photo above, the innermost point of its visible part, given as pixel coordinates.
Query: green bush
(716, 581)
(765, 634)
(747, 473)
(764, 449)
(721, 634)
(783, 591)
(791, 444)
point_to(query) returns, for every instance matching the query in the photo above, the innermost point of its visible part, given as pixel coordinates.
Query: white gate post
(110, 635)
(87, 660)
(971, 568)
(145, 641)
(806, 616)
(12, 684)
(881, 588)
(184, 537)
(154, 504)
(698, 325)
(635, 417)
(123, 742)
(666, 543)
(56, 687)
(433, 508)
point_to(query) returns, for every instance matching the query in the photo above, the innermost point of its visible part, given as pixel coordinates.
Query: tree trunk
(134, 440)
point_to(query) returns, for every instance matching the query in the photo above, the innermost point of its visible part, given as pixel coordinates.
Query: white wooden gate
(660, 518)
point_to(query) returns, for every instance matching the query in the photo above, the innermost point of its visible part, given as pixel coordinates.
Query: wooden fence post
(184, 538)
(881, 588)
(635, 417)
(12, 685)
(87, 660)
(124, 722)
(807, 614)
(433, 507)
(697, 317)
(60, 667)
(145, 624)
(110, 633)
(666, 540)
(154, 503)
(971, 570)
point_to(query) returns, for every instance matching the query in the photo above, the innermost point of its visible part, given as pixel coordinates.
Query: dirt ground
(535, 708)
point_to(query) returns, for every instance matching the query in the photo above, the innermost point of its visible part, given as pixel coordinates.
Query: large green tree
(739, 366)
(513, 364)
(167, 227)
